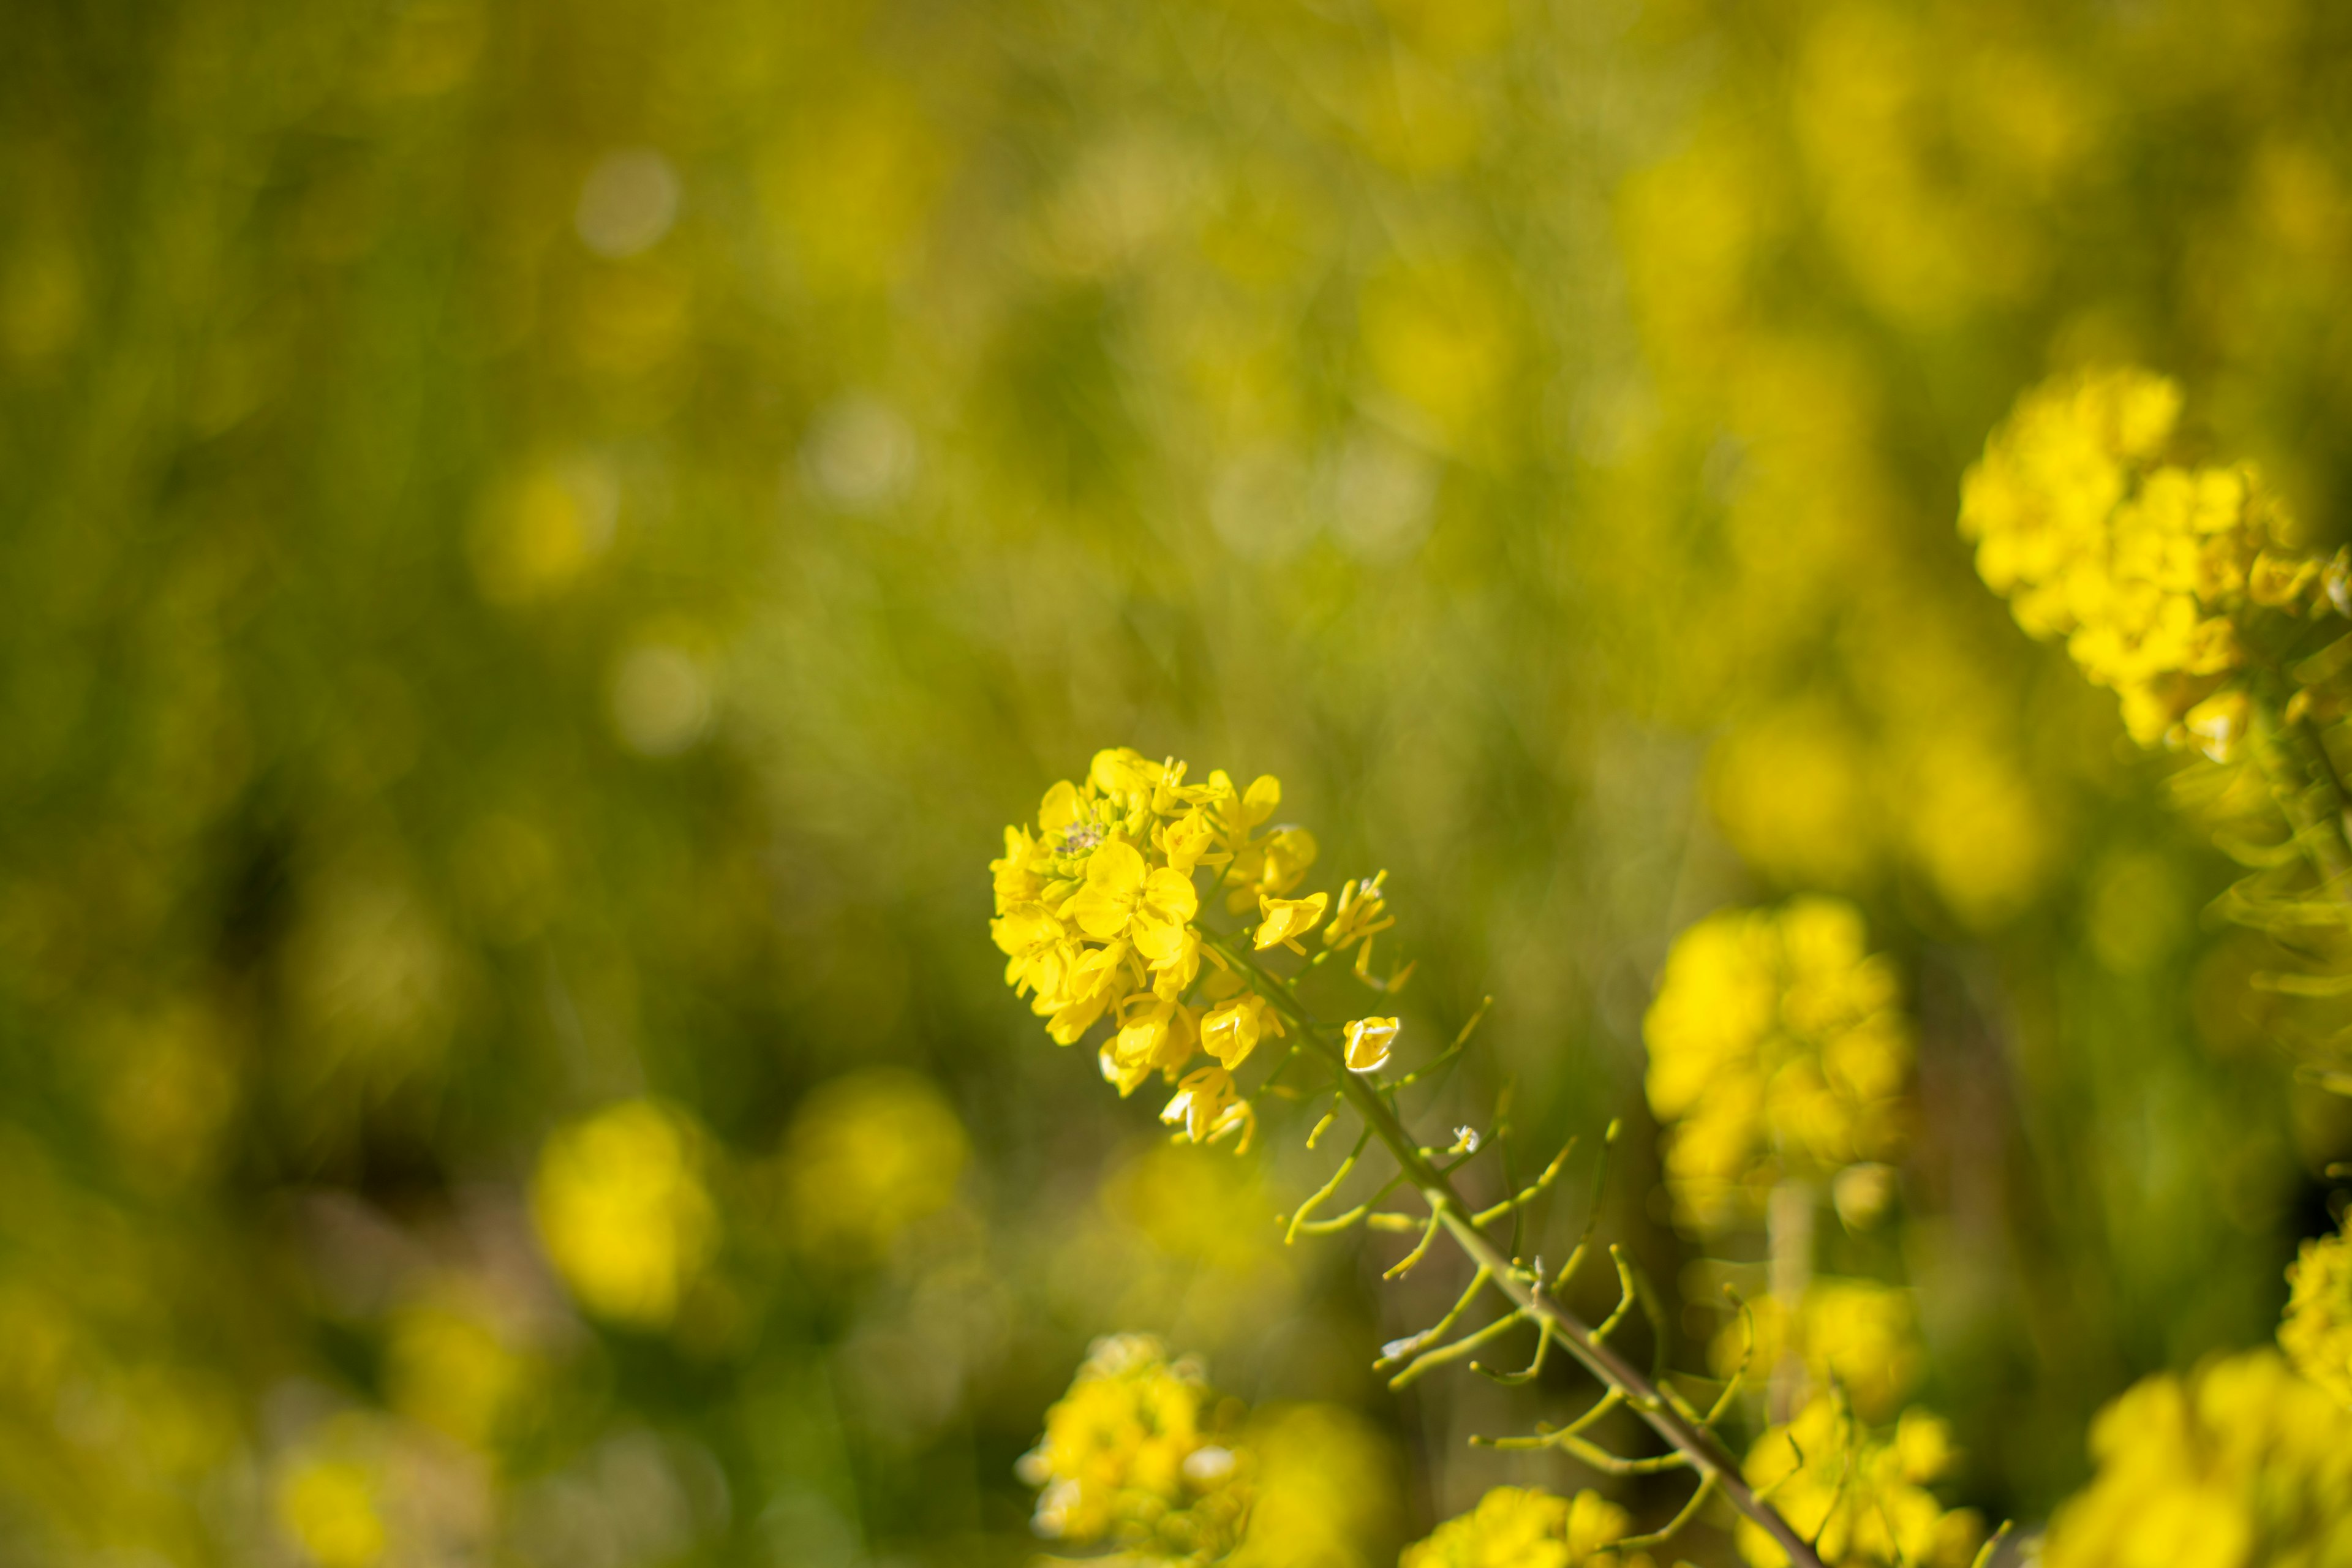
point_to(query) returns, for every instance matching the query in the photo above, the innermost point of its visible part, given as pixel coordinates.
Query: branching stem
(1692, 1444)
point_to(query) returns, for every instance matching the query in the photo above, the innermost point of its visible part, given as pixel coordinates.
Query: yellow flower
(1859, 1495)
(1284, 920)
(1140, 1453)
(1232, 1029)
(1361, 913)
(1368, 1043)
(329, 1505)
(1041, 948)
(2316, 1332)
(1121, 890)
(1156, 1034)
(1096, 980)
(623, 1211)
(1776, 1050)
(2239, 1464)
(1517, 1528)
(2143, 566)
(1206, 1106)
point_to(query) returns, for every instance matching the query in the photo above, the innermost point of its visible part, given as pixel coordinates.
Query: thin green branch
(1691, 1442)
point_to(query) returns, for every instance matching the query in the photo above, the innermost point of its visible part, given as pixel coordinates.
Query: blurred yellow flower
(1526, 1528)
(623, 1213)
(2238, 1463)
(1140, 1453)
(1857, 1333)
(1776, 1051)
(1859, 1495)
(2144, 566)
(869, 1154)
(2316, 1332)
(446, 1366)
(330, 1506)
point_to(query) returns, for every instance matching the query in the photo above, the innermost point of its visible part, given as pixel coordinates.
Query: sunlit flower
(1284, 920)
(623, 1211)
(1370, 1041)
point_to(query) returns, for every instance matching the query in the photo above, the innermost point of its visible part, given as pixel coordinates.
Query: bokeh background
(543, 543)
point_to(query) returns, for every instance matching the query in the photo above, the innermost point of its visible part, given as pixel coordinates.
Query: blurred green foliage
(543, 543)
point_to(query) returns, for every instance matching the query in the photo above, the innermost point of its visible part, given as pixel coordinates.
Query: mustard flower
(2316, 1332)
(2240, 1463)
(1140, 1455)
(1232, 1029)
(1284, 920)
(1098, 915)
(1776, 1050)
(1514, 1527)
(1368, 1043)
(1361, 912)
(1207, 1106)
(1860, 1495)
(1857, 1333)
(2147, 567)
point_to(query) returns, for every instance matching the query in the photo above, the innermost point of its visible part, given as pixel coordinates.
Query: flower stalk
(1686, 1432)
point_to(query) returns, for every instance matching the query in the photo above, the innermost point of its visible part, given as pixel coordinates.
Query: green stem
(1697, 1445)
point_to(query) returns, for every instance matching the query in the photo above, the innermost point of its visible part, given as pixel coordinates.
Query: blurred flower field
(543, 546)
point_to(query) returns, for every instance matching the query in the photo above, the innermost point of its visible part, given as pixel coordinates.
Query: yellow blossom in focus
(1526, 1528)
(1369, 1040)
(1140, 1454)
(2240, 1463)
(1100, 916)
(1284, 920)
(1859, 1495)
(1207, 1106)
(2146, 566)
(2316, 1332)
(623, 1213)
(1776, 1050)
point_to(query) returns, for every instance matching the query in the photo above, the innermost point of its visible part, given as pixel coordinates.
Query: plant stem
(1698, 1446)
(1788, 1232)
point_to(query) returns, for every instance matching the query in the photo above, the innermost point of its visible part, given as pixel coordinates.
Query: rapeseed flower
(623, 1211)
(1859, 1334)
(2086, 518)
(2316, 1332)
(2242, 1462)
(1141, 1455)
(1860, 1495)
(1100, 916)
(1777, 1052)
(1514, 1527)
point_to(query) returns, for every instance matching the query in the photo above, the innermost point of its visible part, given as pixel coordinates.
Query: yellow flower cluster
(1859, 1334)
(1527, 1528)
(1098, 912)
(1776, 1050)
(1859, 1495)
(2316, 1332)
(1138, 1455)
(2240, 1463)
(2147, 567)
